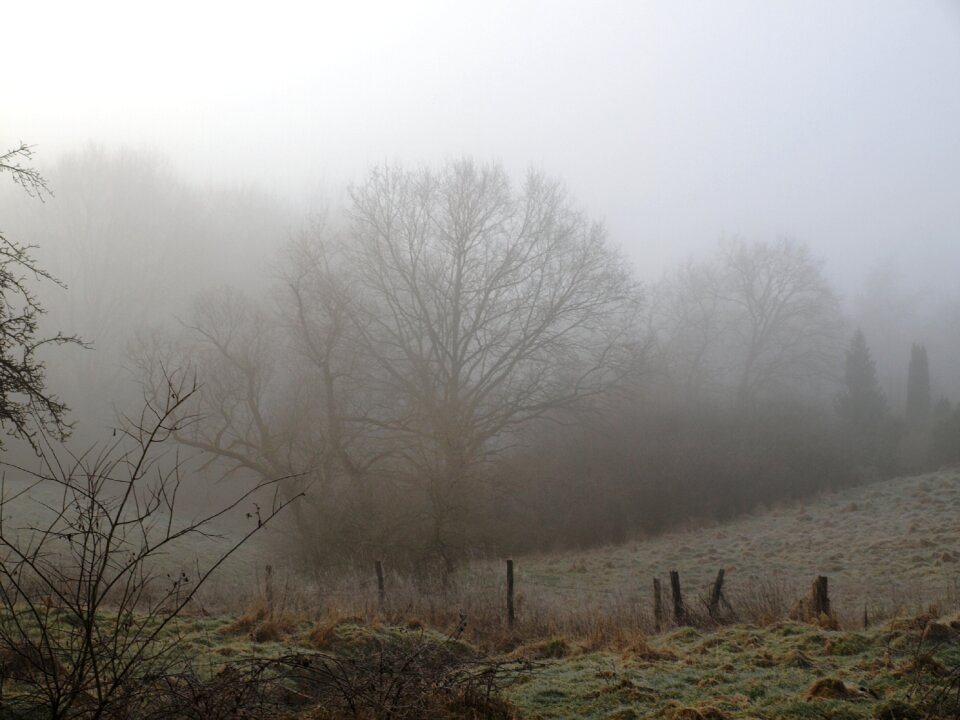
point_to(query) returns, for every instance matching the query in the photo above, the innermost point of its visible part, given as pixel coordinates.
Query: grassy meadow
(783, 670)
(890, 545)
(584, 643)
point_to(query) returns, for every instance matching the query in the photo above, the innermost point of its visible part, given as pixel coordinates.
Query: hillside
(892, 546)
(887, 545)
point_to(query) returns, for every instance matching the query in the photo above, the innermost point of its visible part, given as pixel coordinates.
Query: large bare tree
(407, 347)
(787, 323)
(483, 307)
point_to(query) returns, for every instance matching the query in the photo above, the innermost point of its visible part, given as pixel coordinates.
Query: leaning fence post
(381, 590)
(679, 611)
(510, 593)
(657, 605)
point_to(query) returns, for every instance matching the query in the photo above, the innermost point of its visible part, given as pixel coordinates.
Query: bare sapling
(89, 601)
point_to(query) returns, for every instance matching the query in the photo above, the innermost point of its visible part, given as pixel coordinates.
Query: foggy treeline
(453, 361)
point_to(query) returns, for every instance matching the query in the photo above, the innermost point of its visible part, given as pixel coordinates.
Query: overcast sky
(837, 122)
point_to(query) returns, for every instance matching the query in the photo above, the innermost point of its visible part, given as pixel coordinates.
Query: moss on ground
(785, 670)
(737, 672)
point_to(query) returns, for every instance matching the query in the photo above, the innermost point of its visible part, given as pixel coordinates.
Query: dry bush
(403, 676)
(272, 630)
(323, 635)
(24, 662)
(245, 623)
(935, 688)
(833, 689)
(641, 649)
(542, 650)
(261, 626)
(87, 617)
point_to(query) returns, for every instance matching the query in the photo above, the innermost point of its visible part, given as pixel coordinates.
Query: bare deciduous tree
(483, 308)
(788, 320)
(27, 408)
(251, 415)
(689, 324)
(759, 318)
(408, 348)
(318, 309)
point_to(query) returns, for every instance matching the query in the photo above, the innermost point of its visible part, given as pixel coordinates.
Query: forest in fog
(449, 360)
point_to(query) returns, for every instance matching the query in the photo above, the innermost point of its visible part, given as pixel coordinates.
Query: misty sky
(675, 122)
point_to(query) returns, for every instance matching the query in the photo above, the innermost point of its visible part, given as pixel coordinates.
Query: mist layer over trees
(458, 361)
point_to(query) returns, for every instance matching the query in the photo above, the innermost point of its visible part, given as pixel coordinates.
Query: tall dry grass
(473, 599)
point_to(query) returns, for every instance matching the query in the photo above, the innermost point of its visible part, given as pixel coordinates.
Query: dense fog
(493, 275)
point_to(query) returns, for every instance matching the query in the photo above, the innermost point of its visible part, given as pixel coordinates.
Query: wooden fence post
(657, 605)
(820, 598)
(268, 595)
(815, 605)
(716, 595)
(679, 611)
(510, 593)
(381, 589)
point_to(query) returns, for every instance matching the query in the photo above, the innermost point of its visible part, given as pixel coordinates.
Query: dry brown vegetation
(434, 646)
(878, 558)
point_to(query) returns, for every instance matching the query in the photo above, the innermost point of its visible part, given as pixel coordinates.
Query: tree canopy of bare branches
(411, 344)
(27, 408)
(483, 307)
(758, 319)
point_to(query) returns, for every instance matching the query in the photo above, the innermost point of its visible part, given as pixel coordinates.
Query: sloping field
(889, 545)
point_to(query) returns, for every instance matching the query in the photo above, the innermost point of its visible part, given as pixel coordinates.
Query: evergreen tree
(862, 402)
(918, 390)
(863, 406)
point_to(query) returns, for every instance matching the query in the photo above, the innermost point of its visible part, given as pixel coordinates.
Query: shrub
(87, 616)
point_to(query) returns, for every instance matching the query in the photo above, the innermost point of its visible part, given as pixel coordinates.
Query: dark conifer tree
(918, 390)
(862, 402)
(863, 406)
